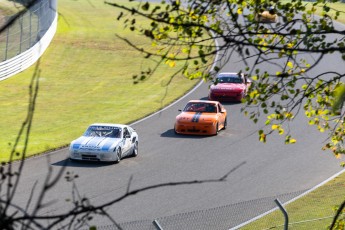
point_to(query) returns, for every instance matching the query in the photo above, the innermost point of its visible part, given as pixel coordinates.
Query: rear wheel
(225, 123)
(135, 149)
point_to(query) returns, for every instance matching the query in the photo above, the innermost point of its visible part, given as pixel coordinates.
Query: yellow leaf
(172, 63)
(239, 10)
(289, 64)
(262, 138)
(274, 127)
(292, 141)
(281, 131)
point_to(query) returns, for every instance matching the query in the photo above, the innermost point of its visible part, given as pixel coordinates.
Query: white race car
(105, 142)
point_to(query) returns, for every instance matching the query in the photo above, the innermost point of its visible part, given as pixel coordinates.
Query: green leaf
(145, 6)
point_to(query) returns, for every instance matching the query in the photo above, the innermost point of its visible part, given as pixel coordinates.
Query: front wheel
(118, 155)
(217, 129)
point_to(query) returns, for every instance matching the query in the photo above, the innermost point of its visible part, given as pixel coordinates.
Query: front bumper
(219, 96)
(89, 156)
(195, 129)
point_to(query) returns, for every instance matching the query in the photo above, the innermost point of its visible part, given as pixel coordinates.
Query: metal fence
(219, 218)
(259, 214)
(22, 32)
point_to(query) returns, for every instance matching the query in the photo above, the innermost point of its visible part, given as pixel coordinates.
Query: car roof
(230, 73)
(204, 101)
(109, 124)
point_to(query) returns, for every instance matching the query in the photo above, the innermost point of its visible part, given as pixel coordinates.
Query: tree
(33, 214)
(294, 47)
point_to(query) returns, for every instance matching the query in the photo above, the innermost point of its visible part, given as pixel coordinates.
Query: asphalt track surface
(257, 171)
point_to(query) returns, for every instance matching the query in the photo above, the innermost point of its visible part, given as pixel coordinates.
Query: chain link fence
(219, 218)
(23, 30)
(312, 210)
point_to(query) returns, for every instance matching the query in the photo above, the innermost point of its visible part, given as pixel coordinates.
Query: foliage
(285, 59)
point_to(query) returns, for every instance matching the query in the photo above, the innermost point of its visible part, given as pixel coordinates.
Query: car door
(221, 116)
(126, 142)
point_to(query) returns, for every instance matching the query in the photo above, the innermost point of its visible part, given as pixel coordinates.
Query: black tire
(176, 133)
(225, 123)
(217, 129)
(118, 154)
(135, 149)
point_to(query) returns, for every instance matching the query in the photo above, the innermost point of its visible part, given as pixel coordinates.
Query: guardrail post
(286, 216)
(157, 225)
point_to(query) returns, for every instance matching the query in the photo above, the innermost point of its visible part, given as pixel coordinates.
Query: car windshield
(103, 131)
(229, 79)
(200, 107)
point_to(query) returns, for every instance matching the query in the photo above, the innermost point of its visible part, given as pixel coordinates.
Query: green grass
(85, 77)
(312, 211)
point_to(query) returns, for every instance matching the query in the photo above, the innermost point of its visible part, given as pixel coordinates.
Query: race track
(258, 171)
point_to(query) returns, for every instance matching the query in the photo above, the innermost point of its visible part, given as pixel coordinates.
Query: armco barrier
(43, 36)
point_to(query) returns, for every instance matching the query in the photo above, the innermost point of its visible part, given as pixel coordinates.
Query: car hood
(95, 143)
(228, 86)
(196, 117)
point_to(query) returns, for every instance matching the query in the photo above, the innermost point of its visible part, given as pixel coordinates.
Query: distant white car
(105, 142)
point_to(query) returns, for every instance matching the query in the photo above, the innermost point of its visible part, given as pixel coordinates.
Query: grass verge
(85, 77)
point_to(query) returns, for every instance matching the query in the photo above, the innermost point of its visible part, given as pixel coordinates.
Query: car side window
(125, 132)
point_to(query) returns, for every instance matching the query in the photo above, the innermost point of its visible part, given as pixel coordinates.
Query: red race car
(201, 117)
(229, 87)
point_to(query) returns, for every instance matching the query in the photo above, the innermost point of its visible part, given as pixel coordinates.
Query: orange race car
(201, 117)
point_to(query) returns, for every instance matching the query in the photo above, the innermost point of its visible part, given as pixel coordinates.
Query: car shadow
(224, 102)
(81, 164)
(231, 102)
(171, 134)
